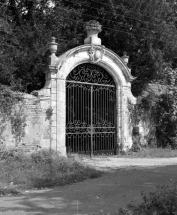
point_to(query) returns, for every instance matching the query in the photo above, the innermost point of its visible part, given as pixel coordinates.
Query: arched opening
(90, 111)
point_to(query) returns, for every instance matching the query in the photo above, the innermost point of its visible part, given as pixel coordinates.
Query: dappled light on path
(115, 189)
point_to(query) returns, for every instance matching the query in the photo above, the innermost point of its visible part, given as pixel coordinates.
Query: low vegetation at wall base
(150, 153)
(40, 169)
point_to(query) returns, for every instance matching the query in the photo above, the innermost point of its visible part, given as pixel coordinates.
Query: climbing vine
(145, 111)
(11, 110)
(49, 113)
(18, 123)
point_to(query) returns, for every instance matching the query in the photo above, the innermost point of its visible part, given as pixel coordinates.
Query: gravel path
(115, 189)
(114, 163)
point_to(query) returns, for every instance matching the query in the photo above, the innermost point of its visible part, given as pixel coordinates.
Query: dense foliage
(145, 29)
(166, 112)
(159, 107)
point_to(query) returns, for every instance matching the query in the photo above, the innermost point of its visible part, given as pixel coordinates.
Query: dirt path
(114, 163)
(115, 189)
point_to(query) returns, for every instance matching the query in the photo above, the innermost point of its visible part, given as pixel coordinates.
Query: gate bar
(91, 106)
(92, 84)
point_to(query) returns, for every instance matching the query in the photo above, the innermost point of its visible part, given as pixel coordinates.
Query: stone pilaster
(126, 127)
(119, 115)
(61, 116)
(54, 113)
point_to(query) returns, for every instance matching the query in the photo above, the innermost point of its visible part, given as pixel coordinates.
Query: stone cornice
(49, 68)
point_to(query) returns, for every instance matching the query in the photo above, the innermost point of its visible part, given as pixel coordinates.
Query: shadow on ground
(108, 193)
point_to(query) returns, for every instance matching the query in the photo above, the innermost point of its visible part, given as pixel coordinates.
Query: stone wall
(36, 126)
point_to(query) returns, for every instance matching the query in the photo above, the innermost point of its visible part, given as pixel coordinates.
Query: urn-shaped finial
(125, 57)
(92, 28)
(53, 45)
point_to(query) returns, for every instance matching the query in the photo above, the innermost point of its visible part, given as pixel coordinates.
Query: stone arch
(110, 62)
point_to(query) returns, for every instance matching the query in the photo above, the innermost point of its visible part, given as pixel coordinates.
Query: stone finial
(125, 57)
(53, 45)
(53, 49)
(92, 28)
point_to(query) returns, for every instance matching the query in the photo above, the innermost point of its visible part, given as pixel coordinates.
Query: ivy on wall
(12, 110)
(145, 111)
(160, 108)
(49, 113)
(18, 123)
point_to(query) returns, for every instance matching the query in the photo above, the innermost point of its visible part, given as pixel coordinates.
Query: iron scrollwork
(90, 73)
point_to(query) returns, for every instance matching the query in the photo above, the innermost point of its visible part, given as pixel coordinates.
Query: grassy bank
(41, 169)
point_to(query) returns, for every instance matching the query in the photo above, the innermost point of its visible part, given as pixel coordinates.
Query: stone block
(61, 123)
(54, 117)
(54, 110)
(60, 85)
(53, 123)
(53, 144)
(54, 83)
(61, 129)
(61, 97)
(61, 114)
(53, 91)
(61, 140)
(54, 97)
(53, 104)
(62, 150)
(53, 130)
(53, 75)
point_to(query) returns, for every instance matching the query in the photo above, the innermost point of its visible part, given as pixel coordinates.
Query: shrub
(7, 190)
(161, 202)
(136, 143)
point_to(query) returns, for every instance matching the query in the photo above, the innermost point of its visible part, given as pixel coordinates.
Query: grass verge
(41, 169)
(150, 153)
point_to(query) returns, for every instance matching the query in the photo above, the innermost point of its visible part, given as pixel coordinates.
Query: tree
(145, 29)
(24, 49)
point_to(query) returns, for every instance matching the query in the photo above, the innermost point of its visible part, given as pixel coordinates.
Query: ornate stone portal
(92, 52)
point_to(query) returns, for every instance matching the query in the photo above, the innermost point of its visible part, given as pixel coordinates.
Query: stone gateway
(89, 88)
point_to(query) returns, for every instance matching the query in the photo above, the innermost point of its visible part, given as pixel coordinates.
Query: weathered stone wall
(36, 125)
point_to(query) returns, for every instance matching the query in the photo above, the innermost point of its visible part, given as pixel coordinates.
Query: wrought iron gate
(90, 111)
